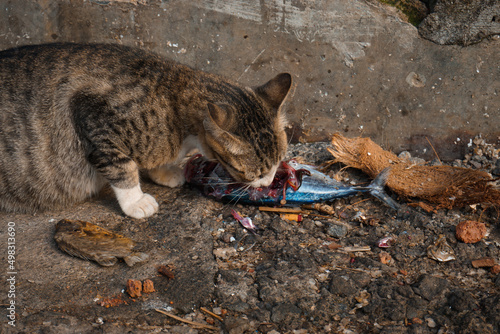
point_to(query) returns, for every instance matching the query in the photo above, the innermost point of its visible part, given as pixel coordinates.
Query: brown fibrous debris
(443, 186)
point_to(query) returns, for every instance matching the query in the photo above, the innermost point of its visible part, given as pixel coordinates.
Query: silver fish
(293, 184)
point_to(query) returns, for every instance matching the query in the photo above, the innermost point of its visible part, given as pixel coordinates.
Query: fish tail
(376, 189)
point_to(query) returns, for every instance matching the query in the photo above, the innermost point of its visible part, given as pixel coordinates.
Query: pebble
(470, 231)
(495, 269)
(228, 238)
(336, 230)
(430, 322)
(385, 258)
(225, 253)
(148, 286)
(134, 288)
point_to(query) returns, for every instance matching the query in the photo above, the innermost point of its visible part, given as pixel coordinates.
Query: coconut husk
(443, 186)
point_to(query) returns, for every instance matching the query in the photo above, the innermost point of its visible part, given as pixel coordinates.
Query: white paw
(146, 206)
(135, 203)
(170, 176)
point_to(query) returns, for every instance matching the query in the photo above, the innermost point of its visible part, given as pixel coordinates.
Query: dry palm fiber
(444, 186)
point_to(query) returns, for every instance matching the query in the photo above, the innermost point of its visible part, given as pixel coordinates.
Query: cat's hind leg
(168, 175)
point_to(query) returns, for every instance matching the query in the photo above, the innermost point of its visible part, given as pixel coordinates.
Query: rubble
(470, 231)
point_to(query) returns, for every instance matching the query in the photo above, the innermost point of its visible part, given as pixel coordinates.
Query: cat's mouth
(266, 180)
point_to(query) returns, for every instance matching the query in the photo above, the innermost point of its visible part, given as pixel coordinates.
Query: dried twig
(437, 156)
(192, 323)
(211, 314)
(281, 210)
(355, 249)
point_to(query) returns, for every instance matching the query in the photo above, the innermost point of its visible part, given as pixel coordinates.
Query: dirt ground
(291, 278)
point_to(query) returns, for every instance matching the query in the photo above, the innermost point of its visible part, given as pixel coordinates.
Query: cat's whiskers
(240, 192)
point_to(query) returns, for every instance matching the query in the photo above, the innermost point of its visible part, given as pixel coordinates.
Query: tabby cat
(74, 117)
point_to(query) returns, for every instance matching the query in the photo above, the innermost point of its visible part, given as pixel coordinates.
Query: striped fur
(74, 117)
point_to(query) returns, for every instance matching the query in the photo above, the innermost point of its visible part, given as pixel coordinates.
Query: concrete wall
(358, 67)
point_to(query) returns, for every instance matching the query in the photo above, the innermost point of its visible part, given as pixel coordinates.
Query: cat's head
(246, 132)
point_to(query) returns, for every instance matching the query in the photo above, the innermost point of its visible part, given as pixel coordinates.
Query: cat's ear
(275, 90)
(217, 120)
(216, 123)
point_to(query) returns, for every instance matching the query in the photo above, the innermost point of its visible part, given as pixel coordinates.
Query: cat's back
(55, 61)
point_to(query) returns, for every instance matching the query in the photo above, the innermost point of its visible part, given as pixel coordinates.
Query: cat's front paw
(144, 207)
(135, 203)
(170, 176)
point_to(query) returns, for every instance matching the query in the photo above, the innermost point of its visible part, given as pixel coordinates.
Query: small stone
(336, 230)
(470, 231)
(134, 288)
(476, 165)
(225, 253)
(236, 325)
(430, 322)
(385, 258)
(495, 269)
(148, 286)
(405, 155)
(431, 287)
(228, 238)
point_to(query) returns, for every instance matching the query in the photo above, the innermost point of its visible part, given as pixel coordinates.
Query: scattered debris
(91, 242)
(211, 314)
(225, 253)
(444, 186)
(320, 207)
(280, 210)
(441, 251)
(111, 301)
(167, 271)
(355, 249)
(470, 231)
(245, 222)
(334, 245)
(386, 242)
(385, 258)
(134, 288)
(291, 216)
(495, 270)
(337, 229)
(148, 286)
(192, 323)
(484, 262)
